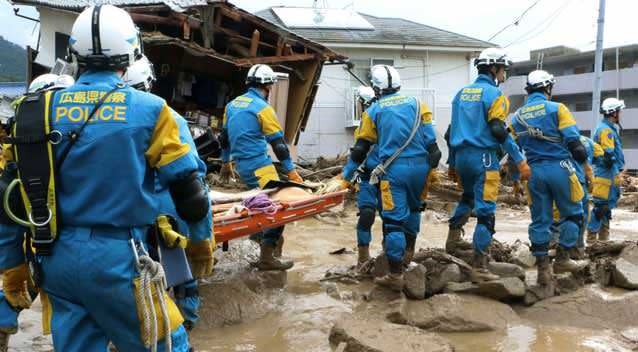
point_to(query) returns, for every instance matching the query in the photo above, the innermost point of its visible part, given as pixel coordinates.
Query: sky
(547, 23)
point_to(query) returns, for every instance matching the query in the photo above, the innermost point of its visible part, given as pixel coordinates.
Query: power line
(517, 20)
(547, 22)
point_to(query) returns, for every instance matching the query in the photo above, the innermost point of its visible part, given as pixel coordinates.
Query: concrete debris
(521, 255)
(455, 313)
(625, 274)
(506, 270)
(600, 248)
(568, 282)
(415, 282)
(504, 289)
(437, 280)
(460, 287)
(536, 293)
(360, 335)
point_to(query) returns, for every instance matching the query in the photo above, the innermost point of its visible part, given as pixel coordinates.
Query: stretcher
(290, 204)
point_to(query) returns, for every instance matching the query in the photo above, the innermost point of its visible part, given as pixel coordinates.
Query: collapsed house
(201, 51)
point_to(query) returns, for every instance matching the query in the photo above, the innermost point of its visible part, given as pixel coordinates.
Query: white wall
(52, 21)
(326, 134)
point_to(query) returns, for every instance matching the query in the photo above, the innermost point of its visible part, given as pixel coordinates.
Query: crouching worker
(87, 158)
(249, 125)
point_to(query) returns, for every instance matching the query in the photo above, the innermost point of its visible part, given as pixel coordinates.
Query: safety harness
(380, 169)
(534, 132)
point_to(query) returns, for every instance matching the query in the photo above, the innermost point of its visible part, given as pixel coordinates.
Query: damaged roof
(175, 5)
(386, 31)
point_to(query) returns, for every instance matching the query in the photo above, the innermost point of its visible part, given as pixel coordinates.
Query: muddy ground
(246, 311)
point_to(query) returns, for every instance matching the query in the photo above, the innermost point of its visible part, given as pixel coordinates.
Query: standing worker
(400, 128)
(548, 134)
(367, 194)
(89, 224)
(606, 173)
(476, 132)
(249, 125)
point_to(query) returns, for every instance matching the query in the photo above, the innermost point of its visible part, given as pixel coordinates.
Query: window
(61, 44)
(629, 139)
(389, 62)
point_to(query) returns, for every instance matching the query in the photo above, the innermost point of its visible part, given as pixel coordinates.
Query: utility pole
(598, 65)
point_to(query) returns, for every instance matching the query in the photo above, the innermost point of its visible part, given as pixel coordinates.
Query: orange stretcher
(245, 223)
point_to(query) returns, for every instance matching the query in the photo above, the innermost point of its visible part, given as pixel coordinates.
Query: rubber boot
(480, 273)
(267, 261)
(409, 249)
(394, 279)
(364, 255)
(564, 264)
(4, 341)
(603, 235)
(455, 241)
(592, 236)
(544, 270)
(279, 247)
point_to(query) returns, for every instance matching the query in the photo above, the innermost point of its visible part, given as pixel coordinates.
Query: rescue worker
(606, 173)
(140, 75)
(547, 133)
(9, 315)
(91, 261)
(476, 132)
(400, 128)
(367, 200)
(249, 125)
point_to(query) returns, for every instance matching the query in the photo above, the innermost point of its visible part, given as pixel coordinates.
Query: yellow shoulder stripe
(565, 117)
(165, 146)
(426, 113)
(598, 150)
(367, 130)
(607, 139)
(268, 121)
(500, 109)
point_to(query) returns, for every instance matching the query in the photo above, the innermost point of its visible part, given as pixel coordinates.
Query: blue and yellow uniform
(107, 196)
(554, 177)
(473, 154)
(387, 124)
(250, 124)
(606, 184)
(186, 296)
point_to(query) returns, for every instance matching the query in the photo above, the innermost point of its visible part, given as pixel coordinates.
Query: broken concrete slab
(360, 335)
(537, 293)
(590, 308)
(504, 289)
(437, 282)
(625, 274)
(506, 270)
(415, 282)
(521, 255)
(568, 282)
(455, 313)
(460, 287)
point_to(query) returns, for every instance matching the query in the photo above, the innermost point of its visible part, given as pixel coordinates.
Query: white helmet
(42, 82)
(261, 74)
(104, 37)
(385, 77)
(140, 75)
(493, 56)
(611, 105)
(64, 81)
(539, 79)
(366, 94)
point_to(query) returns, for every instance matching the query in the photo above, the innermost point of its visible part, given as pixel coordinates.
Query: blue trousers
(605, 198)
(257, 172)
(188, 302)
(8, 316)
(552, 184)
(400, 192)
(478, 170)
(555, 229)
(367, 201)
(89, 283)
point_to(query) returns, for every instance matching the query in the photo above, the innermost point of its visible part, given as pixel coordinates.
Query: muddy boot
(577, 253)
(394, 279)
(279, 247)
(364, 255)
(480, 273)
(544, 270)
(267, 261)
(591, 237)
(603, 235)
(564, 264)
(409, 250)
(455, 241)
(4, 341)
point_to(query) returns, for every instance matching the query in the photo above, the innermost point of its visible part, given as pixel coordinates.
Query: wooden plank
(274, 59)
(254, 43)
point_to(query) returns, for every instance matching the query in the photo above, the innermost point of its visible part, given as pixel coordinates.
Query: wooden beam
(254, 43)
(238, 36)
(274, 59)
(233, 15)
(166, 21)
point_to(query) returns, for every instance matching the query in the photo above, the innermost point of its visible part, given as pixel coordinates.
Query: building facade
(574, 72)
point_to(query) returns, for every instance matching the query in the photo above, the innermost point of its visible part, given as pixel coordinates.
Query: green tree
(13, 62)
